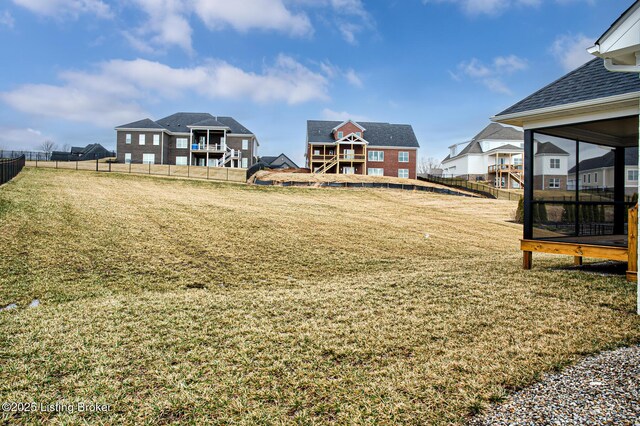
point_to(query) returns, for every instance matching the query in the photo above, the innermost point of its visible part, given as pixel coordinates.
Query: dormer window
(340, 135)
(359, 134)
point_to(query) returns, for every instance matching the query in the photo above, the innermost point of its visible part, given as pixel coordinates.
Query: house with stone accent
(362, 148)
(187, 138)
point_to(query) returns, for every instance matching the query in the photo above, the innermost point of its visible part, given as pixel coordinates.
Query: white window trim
(245, 163)
(142, 139)
(403, 170)
(375, 156)
(186, 160)
(400, 154)
(245, 144)
(379, 171)
(127, 138)
(127, 158)
(186, 143)
(147, 161)
(156, 140)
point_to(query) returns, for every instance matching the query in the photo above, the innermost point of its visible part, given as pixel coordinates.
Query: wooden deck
(622, 248)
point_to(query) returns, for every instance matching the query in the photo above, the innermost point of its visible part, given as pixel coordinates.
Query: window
(340, 135)
(589, 178)
(554, 163)
(316, 152)
(156, 139)
(181, 161)
(517, 161)
(359, 134)
(245, 163)
(182, 143)
(245, 143)
(348, 170)
(554, 183)
(595, 177)
(376, 155)
(128, 138)
(403, 157)
(148, 158)
(127, 158)
(632, 175)
(142, 139)
(403, 173)
(584, 178)
(349, 154)
(375, 172)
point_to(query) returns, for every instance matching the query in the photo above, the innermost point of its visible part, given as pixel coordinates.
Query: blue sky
(75, 69)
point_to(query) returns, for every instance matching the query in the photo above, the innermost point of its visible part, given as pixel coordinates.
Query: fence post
(76, 165)
(97, 165)
(169, 170)
(129, 167)
(207, 171)
(227, 174)
(188, 166)
(56, 164)
(149, 167)
(109, 166)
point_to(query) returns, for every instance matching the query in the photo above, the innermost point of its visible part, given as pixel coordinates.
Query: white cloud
(329, 114)
(252, 14)
(509, 64)
(496, 7)
(6, 19)
(353, 78)
(66, 8)
(571, 50)
(491, 76)
(21, 138)
(115, 91)
(349, 17)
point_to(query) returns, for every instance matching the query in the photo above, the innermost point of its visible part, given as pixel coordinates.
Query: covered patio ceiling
(615, 132)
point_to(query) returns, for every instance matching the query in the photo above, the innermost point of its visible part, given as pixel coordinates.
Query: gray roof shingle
(607, 160)
(549, 148)
(180, 122)
(377, 134)
(147, 123)
(590, 81)
(493, 131)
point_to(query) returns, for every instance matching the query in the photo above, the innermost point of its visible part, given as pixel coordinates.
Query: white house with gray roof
(187, 138)
(495, 155)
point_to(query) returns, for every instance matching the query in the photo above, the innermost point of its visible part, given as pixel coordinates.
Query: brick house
(364, 148)
(187, 138)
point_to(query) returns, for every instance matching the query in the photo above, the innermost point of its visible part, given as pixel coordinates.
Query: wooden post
(632, 265)
(577, 260)
(527, 260)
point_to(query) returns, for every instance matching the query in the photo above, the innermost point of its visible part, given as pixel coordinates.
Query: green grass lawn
(197, 302)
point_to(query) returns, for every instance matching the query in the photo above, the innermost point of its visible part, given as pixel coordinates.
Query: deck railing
(512, 168)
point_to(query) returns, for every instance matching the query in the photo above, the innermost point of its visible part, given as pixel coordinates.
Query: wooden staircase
(326, 166)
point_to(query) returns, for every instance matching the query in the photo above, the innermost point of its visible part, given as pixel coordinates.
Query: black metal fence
(477, 188)
(29, 155)
(10, 167)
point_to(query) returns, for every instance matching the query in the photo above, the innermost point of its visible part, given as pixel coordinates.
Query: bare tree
(47, 147)
(427, 165)
(66, 147)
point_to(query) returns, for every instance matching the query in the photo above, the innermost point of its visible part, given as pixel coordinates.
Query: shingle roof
(607, 160)
(377, 134)
(549, 148)
(141, 124)
(590, 81)
(208, 122)
(495, 131)
(179, 122)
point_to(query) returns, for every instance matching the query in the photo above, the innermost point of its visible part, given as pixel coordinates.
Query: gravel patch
(600, 390)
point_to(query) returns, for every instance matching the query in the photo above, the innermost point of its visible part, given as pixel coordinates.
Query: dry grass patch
(187, 301)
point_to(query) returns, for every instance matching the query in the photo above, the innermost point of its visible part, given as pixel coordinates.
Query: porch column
(618, 191)
(190, 146)
(528, 184)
